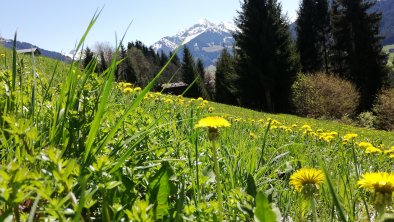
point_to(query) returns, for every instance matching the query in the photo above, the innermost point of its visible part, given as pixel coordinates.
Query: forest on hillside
(338, 39)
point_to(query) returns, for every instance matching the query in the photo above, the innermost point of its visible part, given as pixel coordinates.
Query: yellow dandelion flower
(288, 130)
(127, 84)
(180, 101)
(137, 89)
(364, 144)
(212, 122)
(149, 96)
(201, 106)
(306, 176)
(211, 109)
(252, 135)
(312, 134)
(328, 138)
(128, 90)
(275, 122)
(306, 127)
(381, 182)
(372, 149)
(350, 136)
(2, 55)
(283, 127)
(389, 151)
(200, 99)
(168, 101)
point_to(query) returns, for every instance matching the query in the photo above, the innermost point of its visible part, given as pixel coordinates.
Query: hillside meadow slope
(82, 147)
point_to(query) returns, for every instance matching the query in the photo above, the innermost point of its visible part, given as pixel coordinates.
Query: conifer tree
(191, 76)
(266, 56)
(200, 68)
(202, 85)
(357, 49)
(313, 28)
(103, 63)
(163, 58)
(126, 71)
(89, 56)
(226, 90)
(175, 60)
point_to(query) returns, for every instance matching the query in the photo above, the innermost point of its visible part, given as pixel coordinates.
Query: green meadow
(77, 146)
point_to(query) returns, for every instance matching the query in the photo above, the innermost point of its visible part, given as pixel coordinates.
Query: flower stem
(218, 182)
(313, 207)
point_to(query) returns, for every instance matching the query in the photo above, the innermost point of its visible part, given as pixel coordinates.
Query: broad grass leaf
(160, 190)
(264, 211)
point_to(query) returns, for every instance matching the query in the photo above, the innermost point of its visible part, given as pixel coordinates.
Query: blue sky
(57, 25)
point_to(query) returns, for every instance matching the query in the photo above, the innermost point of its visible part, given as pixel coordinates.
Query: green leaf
(7, 216)
(160, 190)
(251, 188)
(133, 105)
(339, 210)
(264, 211)
(112, 184)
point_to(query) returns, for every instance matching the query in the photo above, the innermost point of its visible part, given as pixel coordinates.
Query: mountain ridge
(205, 40)
(8, 43)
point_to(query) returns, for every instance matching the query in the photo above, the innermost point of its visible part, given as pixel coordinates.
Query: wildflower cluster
(128, 88)
(369, 148)
(349, 138)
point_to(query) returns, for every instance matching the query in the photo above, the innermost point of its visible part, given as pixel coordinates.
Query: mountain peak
(205, 22)
(205, 40)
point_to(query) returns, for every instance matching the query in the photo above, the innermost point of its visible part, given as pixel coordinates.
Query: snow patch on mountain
(205, 39)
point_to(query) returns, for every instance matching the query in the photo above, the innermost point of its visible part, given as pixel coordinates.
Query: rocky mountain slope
(204, 39)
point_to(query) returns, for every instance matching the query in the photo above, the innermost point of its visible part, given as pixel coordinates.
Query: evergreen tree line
(341, 38)
(141, 63)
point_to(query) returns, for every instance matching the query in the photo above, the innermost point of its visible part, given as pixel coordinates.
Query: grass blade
(67, 92)
(104, 96)
(34, 209)
(14, 64)
(134, 104)
(340, 212)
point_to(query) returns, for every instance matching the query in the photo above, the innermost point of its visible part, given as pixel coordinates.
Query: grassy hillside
(44, 65)
(251, 115)
(78, 146)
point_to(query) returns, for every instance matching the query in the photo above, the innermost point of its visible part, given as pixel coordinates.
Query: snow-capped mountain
(205, 40)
